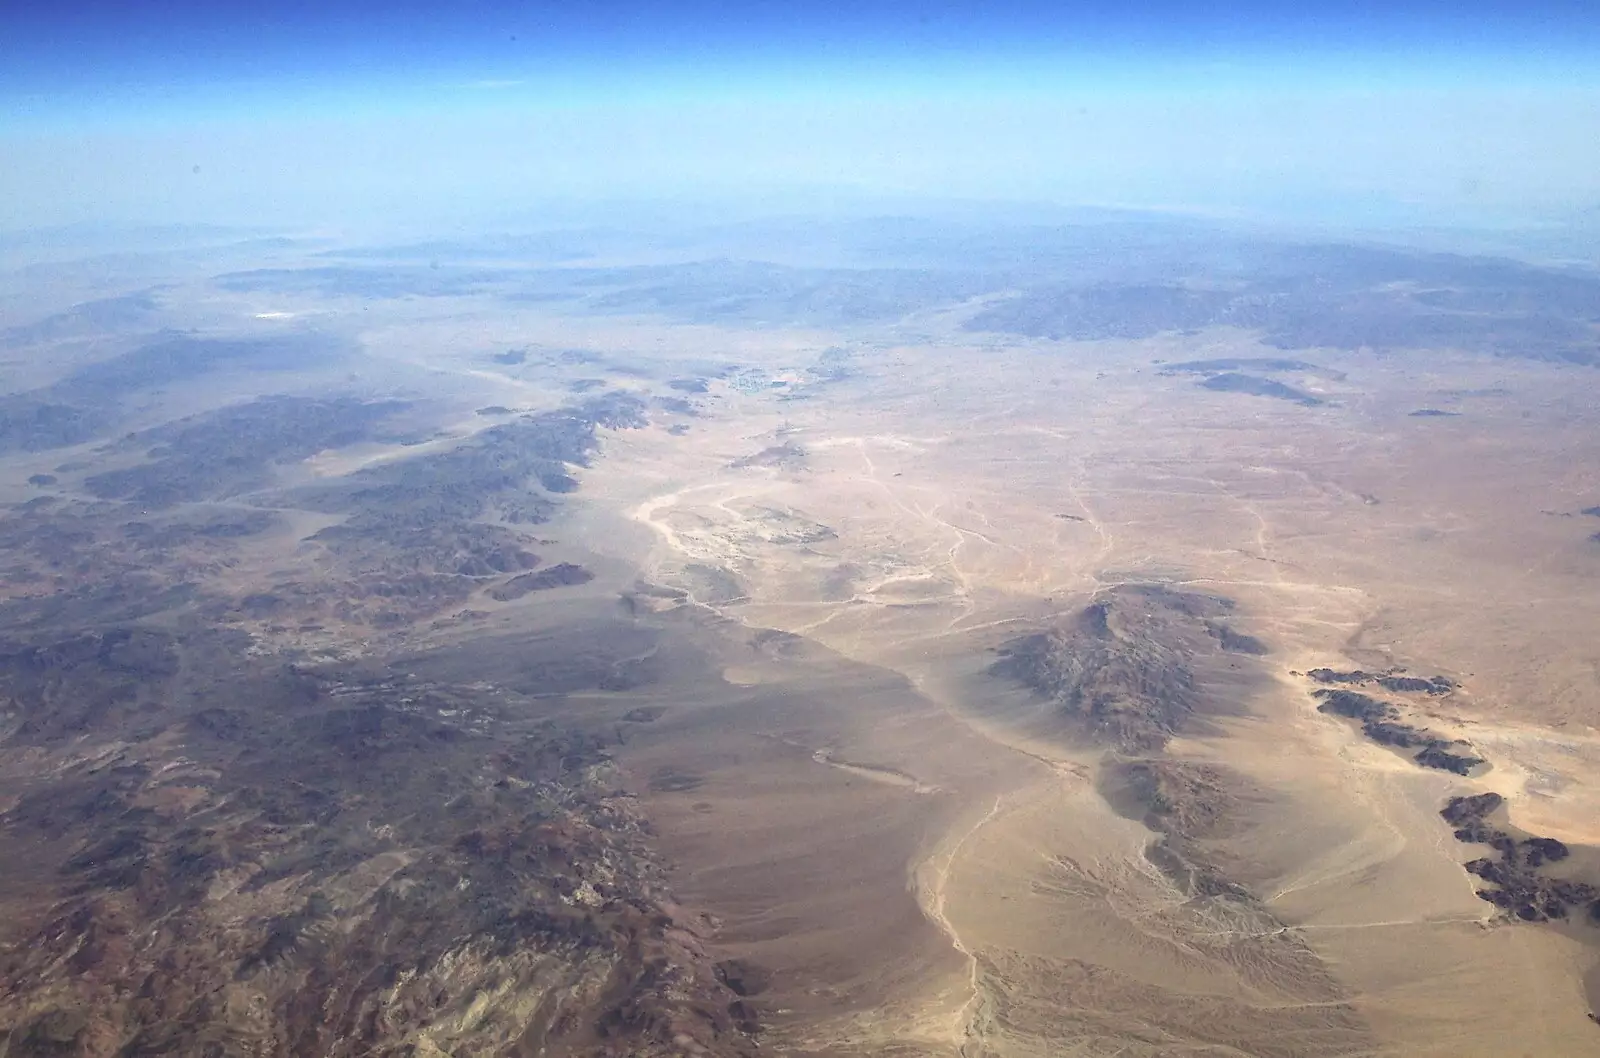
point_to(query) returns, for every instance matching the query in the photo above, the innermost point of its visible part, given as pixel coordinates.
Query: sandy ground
(846, 790)
(939, 883)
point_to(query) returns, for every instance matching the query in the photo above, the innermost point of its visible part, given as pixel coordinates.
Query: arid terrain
(834, 642)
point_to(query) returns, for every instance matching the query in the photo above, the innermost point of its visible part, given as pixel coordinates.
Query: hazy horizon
(351, 113)
(653, 528)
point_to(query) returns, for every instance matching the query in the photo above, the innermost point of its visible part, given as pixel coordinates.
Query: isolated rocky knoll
(1123, 670)
(1127, 673)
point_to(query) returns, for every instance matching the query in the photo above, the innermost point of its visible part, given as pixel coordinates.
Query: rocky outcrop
(1380, 721)
(1518, 874)
(1122, 671)
(1235, 382)
(217, 852)
(563, 574)
(1393, 680)
(326, 862)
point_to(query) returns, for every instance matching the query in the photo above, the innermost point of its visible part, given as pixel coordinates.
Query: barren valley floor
(538, 681)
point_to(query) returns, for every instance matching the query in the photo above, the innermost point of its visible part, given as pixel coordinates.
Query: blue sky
(313, 111)
(64, 58)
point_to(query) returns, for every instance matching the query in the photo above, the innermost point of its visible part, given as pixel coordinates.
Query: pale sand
(944, 504)
(927, 879)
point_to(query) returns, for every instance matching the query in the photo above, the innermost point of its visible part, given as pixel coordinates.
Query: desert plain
(689, 658)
